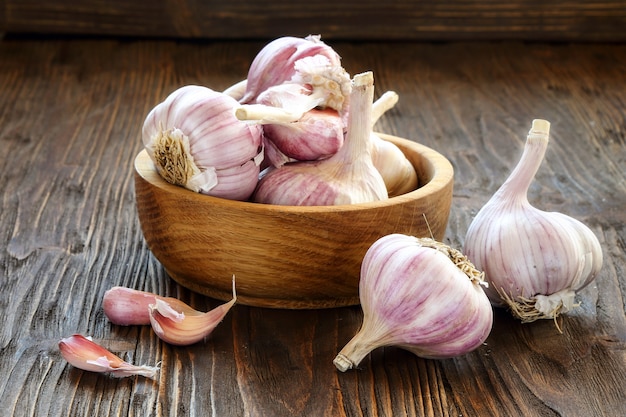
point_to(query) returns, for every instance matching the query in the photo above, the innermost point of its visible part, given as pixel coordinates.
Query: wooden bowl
(283, 256)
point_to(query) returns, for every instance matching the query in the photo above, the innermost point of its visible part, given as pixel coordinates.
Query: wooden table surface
(70, 118)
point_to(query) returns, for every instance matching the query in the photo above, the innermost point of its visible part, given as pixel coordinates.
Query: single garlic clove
(83, 353)
(177, 323)
(126, 306)
(535, 261)
(420, 295)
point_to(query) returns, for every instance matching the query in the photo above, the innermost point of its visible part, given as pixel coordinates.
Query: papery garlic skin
(534, 261)
(195, 141)
(347, 177)
(419, 295)
(83, 353)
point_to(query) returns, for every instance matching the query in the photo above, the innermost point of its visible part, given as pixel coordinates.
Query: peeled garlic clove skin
(397, 171)
(347, 177)
(177, 323)
(534, 261)
(83, 353)
(193, 136)
(126, 306)
(419, 295)
(275, 62)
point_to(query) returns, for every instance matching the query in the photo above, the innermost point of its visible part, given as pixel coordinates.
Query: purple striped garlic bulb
(305, 61)
(420, 295)
(534, 261)
(347, 177)
(195, 141)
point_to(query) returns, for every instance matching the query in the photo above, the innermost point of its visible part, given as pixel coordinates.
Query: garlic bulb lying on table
(195, 141)
(420, 295)
(534, 261)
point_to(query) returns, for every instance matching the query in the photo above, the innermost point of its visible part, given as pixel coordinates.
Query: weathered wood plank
(392, 19)
(70, 115)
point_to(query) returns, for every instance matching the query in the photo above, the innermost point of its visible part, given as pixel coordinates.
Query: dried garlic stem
(384, 103)
(263, 114)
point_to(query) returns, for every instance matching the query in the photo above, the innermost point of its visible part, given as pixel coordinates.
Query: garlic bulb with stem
(83, 353)
(195, 141)
(347, 177)
(534, 261)
(420, 295)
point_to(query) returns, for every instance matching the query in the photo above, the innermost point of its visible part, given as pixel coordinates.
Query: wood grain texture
(70, 116)
(592, 20)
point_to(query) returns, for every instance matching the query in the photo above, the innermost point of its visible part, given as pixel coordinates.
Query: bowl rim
(443, 173)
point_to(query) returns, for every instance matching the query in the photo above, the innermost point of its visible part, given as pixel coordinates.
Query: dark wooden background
(560, 20)
(71, 109)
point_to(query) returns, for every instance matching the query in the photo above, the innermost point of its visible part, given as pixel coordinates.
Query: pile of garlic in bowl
(278, 192)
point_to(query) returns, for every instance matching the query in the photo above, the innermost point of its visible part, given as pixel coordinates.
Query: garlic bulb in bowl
(195, 141)
(534, 261)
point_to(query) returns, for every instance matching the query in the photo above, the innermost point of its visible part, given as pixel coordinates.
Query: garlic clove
(420, 295)
(177, 323)
(83, 353)
(193, 138)
(125, 306)
(535, 261)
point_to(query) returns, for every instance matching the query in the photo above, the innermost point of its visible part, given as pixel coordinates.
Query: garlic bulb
(347, 177)
(397, 171)
(83, 353)
(281, 61)
(420, 295)
(177, 323)
(534, 261)
(195, 141)
(288, 137)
